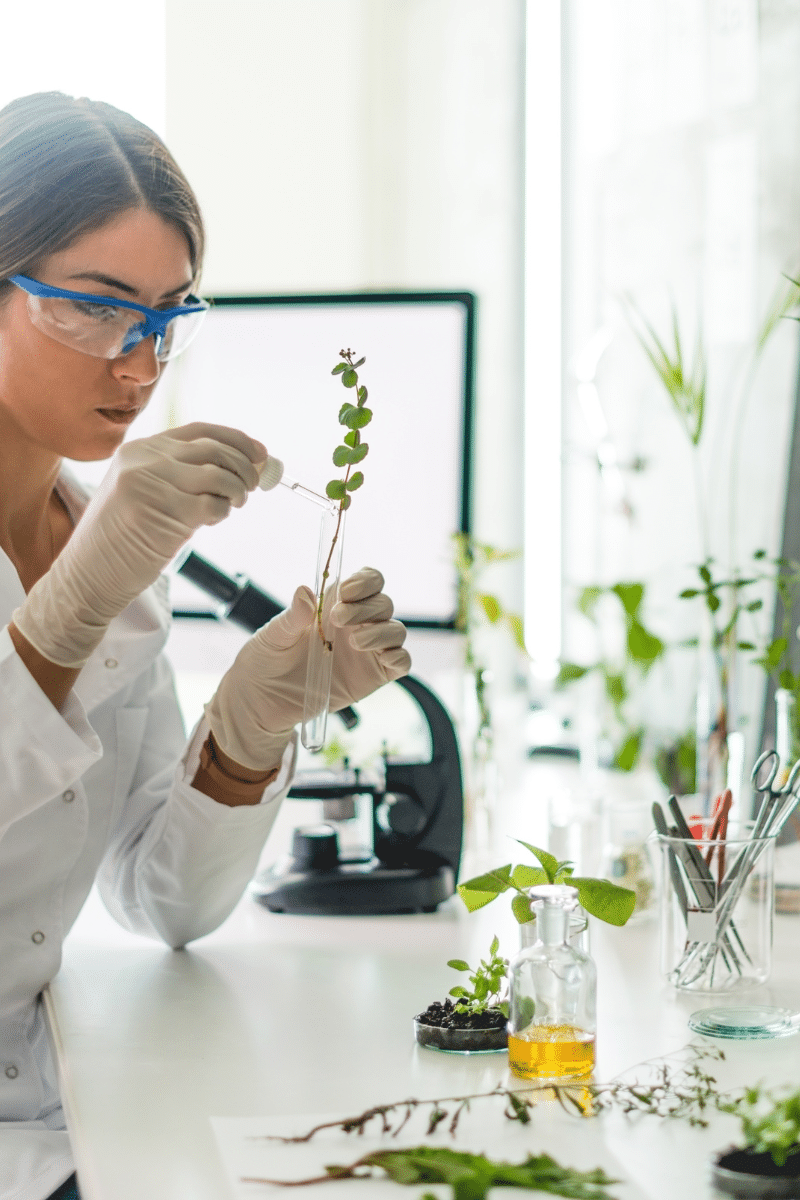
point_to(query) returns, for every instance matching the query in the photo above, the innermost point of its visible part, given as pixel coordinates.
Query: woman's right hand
(157, 492)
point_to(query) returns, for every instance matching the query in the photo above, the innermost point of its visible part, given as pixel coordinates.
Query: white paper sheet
(247, 1151)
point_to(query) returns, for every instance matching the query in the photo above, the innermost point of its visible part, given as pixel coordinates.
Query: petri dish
(745, 1024)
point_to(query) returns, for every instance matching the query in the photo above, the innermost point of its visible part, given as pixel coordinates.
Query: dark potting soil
(445, 1017)
(750, 1163)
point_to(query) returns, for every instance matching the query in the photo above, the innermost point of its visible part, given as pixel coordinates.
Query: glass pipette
(272, 473)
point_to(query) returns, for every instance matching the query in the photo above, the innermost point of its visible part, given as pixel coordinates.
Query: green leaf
(524, 876)
(355, 481)
(491, 607)
(337, 370)
(345, 411)
(350, 377)
(587, 600)
(549, 863)
(484, 888)
(495, 946)
(604, 899)
(353, 437)
(341, 456)
(517, 628)
(688, 594)
(643, 647)
(362, 394)
(346, 502)
(360, 362)
(570, 672)
(356, 418)
(458, 964)
(360, 451)
(335, 489)
(630, 596)
(521, 906)
(627, 755)
(458, 990)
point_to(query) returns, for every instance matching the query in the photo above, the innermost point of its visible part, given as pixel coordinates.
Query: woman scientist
(98, 782)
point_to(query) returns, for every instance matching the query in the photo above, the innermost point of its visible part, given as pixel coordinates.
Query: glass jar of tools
(717, 891)
(552, 996)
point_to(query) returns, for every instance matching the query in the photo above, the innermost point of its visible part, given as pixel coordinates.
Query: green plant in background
(770, 1123)
(354, 417)
(474, 607)
(599, 897)
(487, 983)
(686, 387)
(620, 678)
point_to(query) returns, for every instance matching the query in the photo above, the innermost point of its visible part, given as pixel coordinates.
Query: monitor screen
(263, 364)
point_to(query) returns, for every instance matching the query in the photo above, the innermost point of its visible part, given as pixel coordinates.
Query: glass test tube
(321, 644)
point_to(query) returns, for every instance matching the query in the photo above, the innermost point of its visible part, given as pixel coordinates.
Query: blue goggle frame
(156, 319)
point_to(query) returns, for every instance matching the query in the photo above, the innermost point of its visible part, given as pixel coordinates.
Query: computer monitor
(263, 364)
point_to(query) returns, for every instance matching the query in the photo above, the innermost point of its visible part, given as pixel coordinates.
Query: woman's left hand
(260, 698)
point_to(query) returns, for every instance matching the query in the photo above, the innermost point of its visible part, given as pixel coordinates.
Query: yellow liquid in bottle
(551, 1052)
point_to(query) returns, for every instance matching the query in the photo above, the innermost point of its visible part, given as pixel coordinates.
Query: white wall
(352, 144)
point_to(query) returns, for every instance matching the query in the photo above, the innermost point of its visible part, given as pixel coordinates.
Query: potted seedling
(767, 1161)
(474, 1021)
(599, 897)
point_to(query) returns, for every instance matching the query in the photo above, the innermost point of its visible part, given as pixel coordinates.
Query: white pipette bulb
(271, 474)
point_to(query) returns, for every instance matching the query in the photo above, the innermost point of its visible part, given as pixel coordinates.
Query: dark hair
(68, 166)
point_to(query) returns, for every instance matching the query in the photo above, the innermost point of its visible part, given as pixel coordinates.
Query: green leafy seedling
(487, 983)
(770, 1123)
(354, 417)
(600, 897)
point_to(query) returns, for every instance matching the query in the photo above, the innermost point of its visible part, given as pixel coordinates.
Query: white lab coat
(100, 790)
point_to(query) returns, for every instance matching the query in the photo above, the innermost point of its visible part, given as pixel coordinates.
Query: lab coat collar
(133, 639)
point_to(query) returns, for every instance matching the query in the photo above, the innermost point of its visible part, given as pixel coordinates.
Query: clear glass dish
(745, 1024)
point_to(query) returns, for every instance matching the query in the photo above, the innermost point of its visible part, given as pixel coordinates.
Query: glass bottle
(553, 996)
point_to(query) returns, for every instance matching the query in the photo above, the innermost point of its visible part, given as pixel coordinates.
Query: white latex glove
(260, 698)
(156, 493)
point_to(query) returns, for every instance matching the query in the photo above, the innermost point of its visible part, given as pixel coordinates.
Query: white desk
(274, 1014)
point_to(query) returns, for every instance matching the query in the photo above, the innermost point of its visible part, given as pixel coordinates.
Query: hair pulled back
(68, 166)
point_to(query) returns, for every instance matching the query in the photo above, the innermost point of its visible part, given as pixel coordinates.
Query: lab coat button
(11, 1072)
(68, 795)
(111, 663)
(37, 937)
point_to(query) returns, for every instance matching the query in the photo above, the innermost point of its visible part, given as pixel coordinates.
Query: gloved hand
(260, 698)
(155, 494)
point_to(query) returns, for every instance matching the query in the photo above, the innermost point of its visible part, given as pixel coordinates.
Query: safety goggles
(106, 327)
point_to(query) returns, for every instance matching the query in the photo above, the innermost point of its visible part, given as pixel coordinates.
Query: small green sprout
(487, 982)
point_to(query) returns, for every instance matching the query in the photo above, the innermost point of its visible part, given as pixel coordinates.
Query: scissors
(766, 821)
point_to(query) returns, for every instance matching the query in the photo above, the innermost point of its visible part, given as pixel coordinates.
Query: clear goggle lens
(108, 331)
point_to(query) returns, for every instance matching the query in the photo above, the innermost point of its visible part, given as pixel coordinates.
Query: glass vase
(321, 646)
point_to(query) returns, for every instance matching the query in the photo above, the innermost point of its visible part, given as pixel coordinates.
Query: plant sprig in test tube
(354, 417)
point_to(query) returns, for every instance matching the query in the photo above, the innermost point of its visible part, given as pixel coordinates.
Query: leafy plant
(470, 1175)
(643, 649)
(599, 897)
(354, 417)
(770, 1123)
(474, 605)
(487, 983)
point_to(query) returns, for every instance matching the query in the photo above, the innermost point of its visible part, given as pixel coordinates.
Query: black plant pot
(744, 1173)
(440, 1028)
